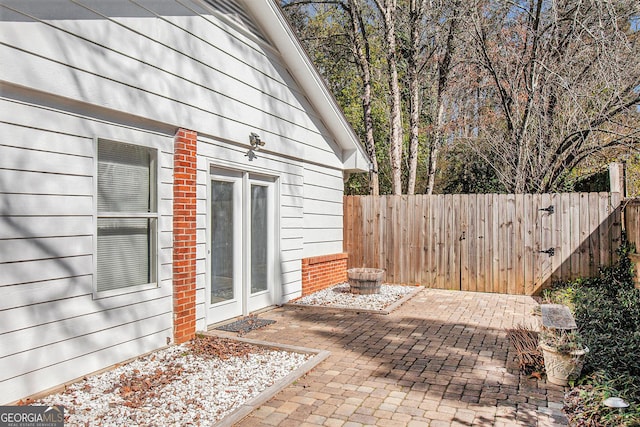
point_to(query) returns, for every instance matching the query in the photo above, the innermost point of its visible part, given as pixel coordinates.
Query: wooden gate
(505, 243)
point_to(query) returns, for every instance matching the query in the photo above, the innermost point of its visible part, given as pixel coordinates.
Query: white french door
(241, 244)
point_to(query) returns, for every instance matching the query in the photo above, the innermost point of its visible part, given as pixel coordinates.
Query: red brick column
(323, 271)
(184, 236)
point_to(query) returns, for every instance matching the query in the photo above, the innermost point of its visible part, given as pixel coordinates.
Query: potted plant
(563, 352)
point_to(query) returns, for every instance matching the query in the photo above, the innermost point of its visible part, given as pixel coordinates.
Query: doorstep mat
(245, 324)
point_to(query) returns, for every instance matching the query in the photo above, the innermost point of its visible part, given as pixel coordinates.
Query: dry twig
(525, 342)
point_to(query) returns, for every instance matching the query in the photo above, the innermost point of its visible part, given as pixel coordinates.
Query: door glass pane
(259, 235)
(222, 241)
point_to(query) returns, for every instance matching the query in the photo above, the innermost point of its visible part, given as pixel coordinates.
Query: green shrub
(585, 407)
(607, 311)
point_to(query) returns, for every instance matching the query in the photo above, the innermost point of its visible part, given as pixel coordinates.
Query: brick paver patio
(441, 359)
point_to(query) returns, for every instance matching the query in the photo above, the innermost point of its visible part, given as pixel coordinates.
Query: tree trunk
(434, 147)
(362, 55)
(415, 102)
(444, 69)
(388, 10)
(416, 13)
(374, 183)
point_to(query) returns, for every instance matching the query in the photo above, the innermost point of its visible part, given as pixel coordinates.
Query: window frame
(154, 216)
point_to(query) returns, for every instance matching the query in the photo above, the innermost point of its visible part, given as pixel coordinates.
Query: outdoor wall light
(255, 141)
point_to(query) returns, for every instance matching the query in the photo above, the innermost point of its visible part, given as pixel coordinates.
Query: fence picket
(574, 215)
(565, 242)
(433, 242)
(529, 242)
(519, 247)
(510, 230)
(594, 237)
(471, 244)
(632, 222)
(494, 246)
(502, 244)
(616, 223)
(485, 242)
(556, 234)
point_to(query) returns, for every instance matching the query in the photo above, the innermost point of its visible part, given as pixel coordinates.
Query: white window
(127, 217)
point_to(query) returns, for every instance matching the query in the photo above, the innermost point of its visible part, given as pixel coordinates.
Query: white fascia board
(272, 21)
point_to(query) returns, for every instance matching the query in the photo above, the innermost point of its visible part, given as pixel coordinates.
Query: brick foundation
(184, 236)
(323, 271)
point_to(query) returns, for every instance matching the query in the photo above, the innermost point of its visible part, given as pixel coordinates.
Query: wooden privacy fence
(505, 243)
(632, 221)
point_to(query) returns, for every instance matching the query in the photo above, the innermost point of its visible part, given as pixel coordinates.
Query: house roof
(270, 18)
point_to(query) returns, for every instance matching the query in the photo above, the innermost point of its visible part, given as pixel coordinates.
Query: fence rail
(505, 243)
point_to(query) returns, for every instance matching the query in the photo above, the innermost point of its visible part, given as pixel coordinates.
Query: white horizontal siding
(51, 328)
(44, 335)
(80, 346)
(313, 236)
(33, 310)
(39, 292)
(46, 247)
(43, 161)
(181, 60)
(323, 192)
(134, 72)
(45, 204)
(291, 290)
(24, 385)
(32, 182)
(322, 221)
(290, 179)
(201, 301)
(323, 248)
(44, 269)
(26, 129)
(45, 226)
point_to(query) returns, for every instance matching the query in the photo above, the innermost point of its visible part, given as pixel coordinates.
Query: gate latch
(550, 251)
(550, 209)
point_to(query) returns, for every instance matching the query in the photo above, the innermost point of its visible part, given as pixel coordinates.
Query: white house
(164, 165)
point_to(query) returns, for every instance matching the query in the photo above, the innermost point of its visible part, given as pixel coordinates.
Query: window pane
(222, 241)
(124, 178)
(259, 236)
(125, 247)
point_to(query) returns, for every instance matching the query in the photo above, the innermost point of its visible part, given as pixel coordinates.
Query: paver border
(388, 310)
(255, 402)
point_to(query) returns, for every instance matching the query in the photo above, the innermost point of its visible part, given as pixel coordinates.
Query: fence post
(617, 179)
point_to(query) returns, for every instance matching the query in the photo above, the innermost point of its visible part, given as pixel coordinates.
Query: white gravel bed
(339, 296)
(183, 389)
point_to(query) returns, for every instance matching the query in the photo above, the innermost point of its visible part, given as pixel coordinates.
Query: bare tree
(444, 46)
(415, 66)
(362, 54)
(356, 33)
(562, 82)
(388, 10)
